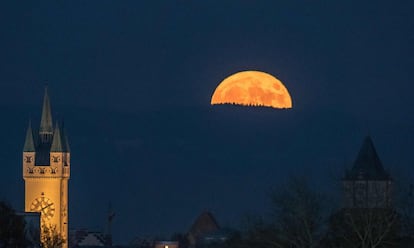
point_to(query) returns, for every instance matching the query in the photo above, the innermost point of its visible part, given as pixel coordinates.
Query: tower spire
(29, 145)
(367, 164)
(57, 145)
(46, 124)
(64, 137)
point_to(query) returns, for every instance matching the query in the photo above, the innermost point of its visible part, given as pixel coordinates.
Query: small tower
(367, 184)
(46, 170)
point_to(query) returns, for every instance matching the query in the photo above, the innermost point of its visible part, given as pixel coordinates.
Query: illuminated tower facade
(46, 170)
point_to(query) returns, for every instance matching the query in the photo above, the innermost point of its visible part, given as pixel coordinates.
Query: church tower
(46, 170)
(367, 184)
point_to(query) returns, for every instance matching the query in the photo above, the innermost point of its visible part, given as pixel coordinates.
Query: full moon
(252, 88)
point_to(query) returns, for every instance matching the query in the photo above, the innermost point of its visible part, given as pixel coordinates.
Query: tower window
(55, 159)
(29, 159)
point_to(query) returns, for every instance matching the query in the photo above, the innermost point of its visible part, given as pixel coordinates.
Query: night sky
(133, 81)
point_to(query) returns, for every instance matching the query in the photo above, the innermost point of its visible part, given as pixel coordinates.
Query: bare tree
(51, 238)
(295, 220)
(363, 228)
(405, 208)
(256, 233)
(298, 213)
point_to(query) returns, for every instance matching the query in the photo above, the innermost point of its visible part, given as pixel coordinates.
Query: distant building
(88, 238)
(203, 229)
(367, 216)
(367, 184)
(153, 243)
(166, 244)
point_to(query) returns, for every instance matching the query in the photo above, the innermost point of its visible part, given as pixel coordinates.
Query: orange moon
(252, 88)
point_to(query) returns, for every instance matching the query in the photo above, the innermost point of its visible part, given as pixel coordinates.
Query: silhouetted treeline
(299, 219)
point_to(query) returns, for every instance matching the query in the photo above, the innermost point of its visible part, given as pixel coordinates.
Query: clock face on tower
(45, 206)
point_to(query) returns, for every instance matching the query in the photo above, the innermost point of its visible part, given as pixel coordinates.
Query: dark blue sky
(133, 80)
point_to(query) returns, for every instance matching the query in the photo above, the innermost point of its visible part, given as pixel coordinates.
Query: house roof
(204, 224)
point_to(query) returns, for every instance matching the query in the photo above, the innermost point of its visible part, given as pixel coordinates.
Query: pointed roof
(367, 165)
(204, 224)
(29, 145)
(64, 137)
(57, 144)
(46, 124)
